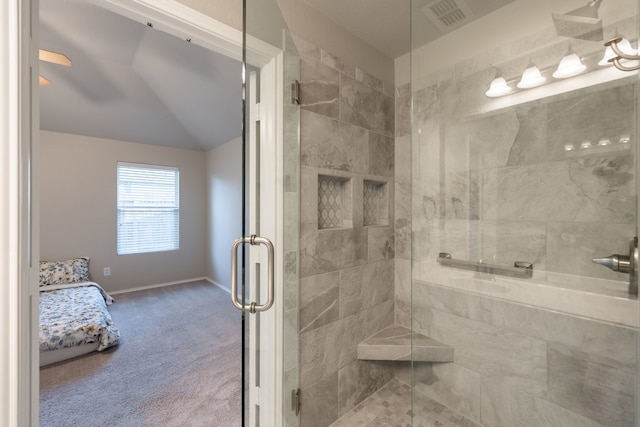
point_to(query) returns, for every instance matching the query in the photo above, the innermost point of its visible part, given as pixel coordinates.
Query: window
(148, 208)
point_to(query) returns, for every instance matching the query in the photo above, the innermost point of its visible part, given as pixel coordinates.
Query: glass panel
(270, 53)
(523, 149)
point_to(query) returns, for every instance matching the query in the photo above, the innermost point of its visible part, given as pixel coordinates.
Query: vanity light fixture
(624, 45)
(570, 65)
(498, 87)
(532, 77)
(620, 55)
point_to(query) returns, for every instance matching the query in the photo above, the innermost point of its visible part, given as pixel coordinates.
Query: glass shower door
(271, 174)
(524, 142)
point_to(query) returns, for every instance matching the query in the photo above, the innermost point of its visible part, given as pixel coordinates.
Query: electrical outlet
(107, 271)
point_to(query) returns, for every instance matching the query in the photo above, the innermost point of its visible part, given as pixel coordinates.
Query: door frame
(19, 126)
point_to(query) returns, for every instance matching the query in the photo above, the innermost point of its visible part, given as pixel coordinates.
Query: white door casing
(19, 129)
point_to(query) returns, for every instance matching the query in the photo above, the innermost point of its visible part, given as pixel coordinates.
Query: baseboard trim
(161, 285)
(224, 288)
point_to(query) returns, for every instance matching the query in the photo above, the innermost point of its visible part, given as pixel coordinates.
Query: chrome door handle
(624, 264)
(252, 307)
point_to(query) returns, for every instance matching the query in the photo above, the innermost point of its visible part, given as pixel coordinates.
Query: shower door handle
(254, 306)
(624, 264)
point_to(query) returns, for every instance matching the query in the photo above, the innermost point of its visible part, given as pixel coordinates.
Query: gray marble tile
(398, 343)
(359, 380)
(319, 304)
(403, 292)
(363, 106)
(365, 286)
(403, 156)
(572, 246)
(403, 111)
(597, 391)
(596, 189)
(305, 49)
(504, 242)
(321, 407)
(403, 238)
(530, 143)
(329, 250)
(291, 280)
(319, 88)
(377, 318)
(381, 155)
(590, 117)
(450, 384)
(505, 403)
(614, 345)
(342, 337)
(338, 64)
(291, 339)
(309, 195)
(493, 352)
(426, 106)
(381, 244)
(369, 80)
(550, 414)
(389, 406)
(329, 144)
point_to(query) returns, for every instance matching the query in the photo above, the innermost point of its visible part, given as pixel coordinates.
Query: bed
(74, 319)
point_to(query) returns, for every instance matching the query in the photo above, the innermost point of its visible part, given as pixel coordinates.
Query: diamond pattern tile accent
(373, 200)
(330, 198)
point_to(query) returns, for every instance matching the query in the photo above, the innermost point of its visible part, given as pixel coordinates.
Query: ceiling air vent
(448, 14)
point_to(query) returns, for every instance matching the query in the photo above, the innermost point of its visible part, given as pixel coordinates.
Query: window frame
(174, 238)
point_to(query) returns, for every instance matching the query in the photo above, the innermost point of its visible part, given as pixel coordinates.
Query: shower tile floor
(391, 406)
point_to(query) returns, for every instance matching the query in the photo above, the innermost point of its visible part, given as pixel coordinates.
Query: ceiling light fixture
(54, 57)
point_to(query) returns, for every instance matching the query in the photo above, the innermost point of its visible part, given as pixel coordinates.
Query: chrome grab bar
(252, 307)
(520, 269)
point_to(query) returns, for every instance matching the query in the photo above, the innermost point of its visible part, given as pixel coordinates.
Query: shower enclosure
(524, 144)
(451, 234)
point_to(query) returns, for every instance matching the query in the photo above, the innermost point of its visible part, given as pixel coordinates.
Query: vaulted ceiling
(134, 83)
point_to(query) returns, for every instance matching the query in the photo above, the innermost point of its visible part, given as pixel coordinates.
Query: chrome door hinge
(295, 401)
(295, 92)
(255, 112)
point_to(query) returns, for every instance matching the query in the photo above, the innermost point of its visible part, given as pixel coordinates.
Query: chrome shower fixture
(620, 55)
(582, 23)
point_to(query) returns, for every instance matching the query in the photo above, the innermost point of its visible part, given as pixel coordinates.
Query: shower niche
(375, 203)
(334, 202)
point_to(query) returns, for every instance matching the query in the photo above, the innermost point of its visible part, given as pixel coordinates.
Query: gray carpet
(178, 364)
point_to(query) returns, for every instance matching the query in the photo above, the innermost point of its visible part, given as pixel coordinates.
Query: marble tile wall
(514, 183)
(525, 366)
(347, 269)
(500, 185)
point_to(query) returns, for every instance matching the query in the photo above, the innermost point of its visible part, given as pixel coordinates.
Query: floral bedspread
(76, 314)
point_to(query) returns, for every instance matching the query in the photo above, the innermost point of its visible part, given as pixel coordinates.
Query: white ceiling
(133, 83)
(387, 24)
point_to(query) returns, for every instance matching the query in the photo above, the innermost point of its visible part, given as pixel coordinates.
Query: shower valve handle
(615, 262)
(625, 264)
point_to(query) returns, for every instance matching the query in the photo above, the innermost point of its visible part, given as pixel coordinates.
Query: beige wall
(78, 209)
(224, 205)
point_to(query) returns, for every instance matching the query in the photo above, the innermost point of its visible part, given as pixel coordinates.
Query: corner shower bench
(395, 342)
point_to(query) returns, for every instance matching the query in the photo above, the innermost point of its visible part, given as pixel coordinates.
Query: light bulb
(569, 66)
(498, 87)
(531, 78)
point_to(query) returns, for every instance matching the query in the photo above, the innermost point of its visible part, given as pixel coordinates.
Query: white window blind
(148, 208)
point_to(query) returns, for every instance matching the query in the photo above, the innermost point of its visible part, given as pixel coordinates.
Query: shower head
(582, 23)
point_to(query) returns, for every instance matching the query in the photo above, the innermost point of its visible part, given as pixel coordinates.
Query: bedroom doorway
(264, 337)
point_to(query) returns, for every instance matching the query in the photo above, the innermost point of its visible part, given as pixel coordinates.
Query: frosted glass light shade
(569, 66)
(498, 87)
(624, 45)
(531, 78)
